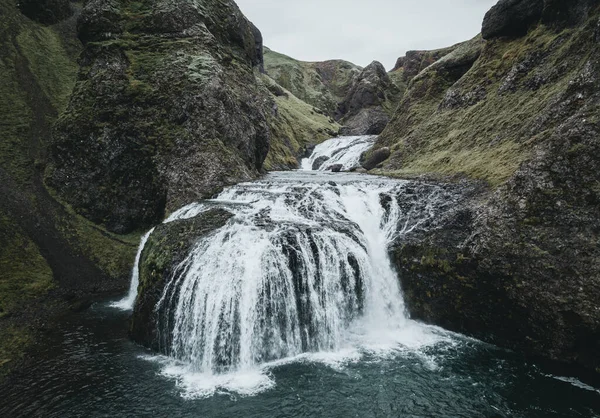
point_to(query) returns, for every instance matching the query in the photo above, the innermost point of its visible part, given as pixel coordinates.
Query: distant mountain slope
(321, 84)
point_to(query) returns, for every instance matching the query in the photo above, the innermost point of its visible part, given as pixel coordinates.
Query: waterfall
(345, 151)
(302, 267)
(128, 302)
(289, 274)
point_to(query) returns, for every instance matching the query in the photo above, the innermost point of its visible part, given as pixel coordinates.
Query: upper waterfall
(345, 151)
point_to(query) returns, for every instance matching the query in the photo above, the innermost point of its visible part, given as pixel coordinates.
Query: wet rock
(335, 168)
(376, 157)
(319, 162)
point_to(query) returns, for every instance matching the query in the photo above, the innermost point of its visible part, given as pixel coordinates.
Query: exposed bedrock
(515, 17)
(372, 97)
(517, 264)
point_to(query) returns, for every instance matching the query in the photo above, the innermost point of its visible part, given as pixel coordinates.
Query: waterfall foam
(128, 302)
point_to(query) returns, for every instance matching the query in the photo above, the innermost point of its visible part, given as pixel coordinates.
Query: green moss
(303, 79)
(24, 273)
(30, 54)
(490, 139)
(13, 344)
(50, 64)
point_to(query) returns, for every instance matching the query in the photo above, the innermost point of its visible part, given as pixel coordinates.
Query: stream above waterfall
(292, 308)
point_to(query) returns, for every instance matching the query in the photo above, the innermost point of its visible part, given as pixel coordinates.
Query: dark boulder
(376, 157)
(511, 18)
(319, 162)
(335, 168)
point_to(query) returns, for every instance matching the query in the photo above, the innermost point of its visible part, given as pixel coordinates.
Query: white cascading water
(128, 302)
(345, 150)
(302, 268)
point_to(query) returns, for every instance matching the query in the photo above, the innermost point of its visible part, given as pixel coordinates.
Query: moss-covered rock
(166, 110)
(166, 248)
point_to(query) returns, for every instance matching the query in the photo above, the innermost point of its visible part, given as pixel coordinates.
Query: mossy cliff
(518, 264)
(166, 110)
(295, 126)
(50, 258)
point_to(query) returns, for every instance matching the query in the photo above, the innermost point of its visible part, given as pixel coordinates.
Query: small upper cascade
(128, 302)
(339, 154)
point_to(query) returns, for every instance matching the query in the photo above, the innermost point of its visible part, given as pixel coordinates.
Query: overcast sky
(363, 31)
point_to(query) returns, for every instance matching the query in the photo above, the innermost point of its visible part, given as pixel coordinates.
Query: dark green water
(91, 369)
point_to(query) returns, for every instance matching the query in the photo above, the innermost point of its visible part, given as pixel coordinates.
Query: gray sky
(363, 31)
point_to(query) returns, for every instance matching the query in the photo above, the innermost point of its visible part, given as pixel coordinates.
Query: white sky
(363, 31)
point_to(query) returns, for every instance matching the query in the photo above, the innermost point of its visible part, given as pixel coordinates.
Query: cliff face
(518, 264)
(369, 102)
(166, 110)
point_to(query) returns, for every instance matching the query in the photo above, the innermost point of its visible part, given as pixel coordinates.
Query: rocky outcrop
(511, 18)
(416, 61)
(515, 264)
(166, 248)
(515, 17)
(366, 107)
(167, 110)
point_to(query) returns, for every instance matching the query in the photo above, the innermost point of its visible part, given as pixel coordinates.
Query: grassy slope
(305, 82)
(296, 125)
(38, 69)
(490, 139)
